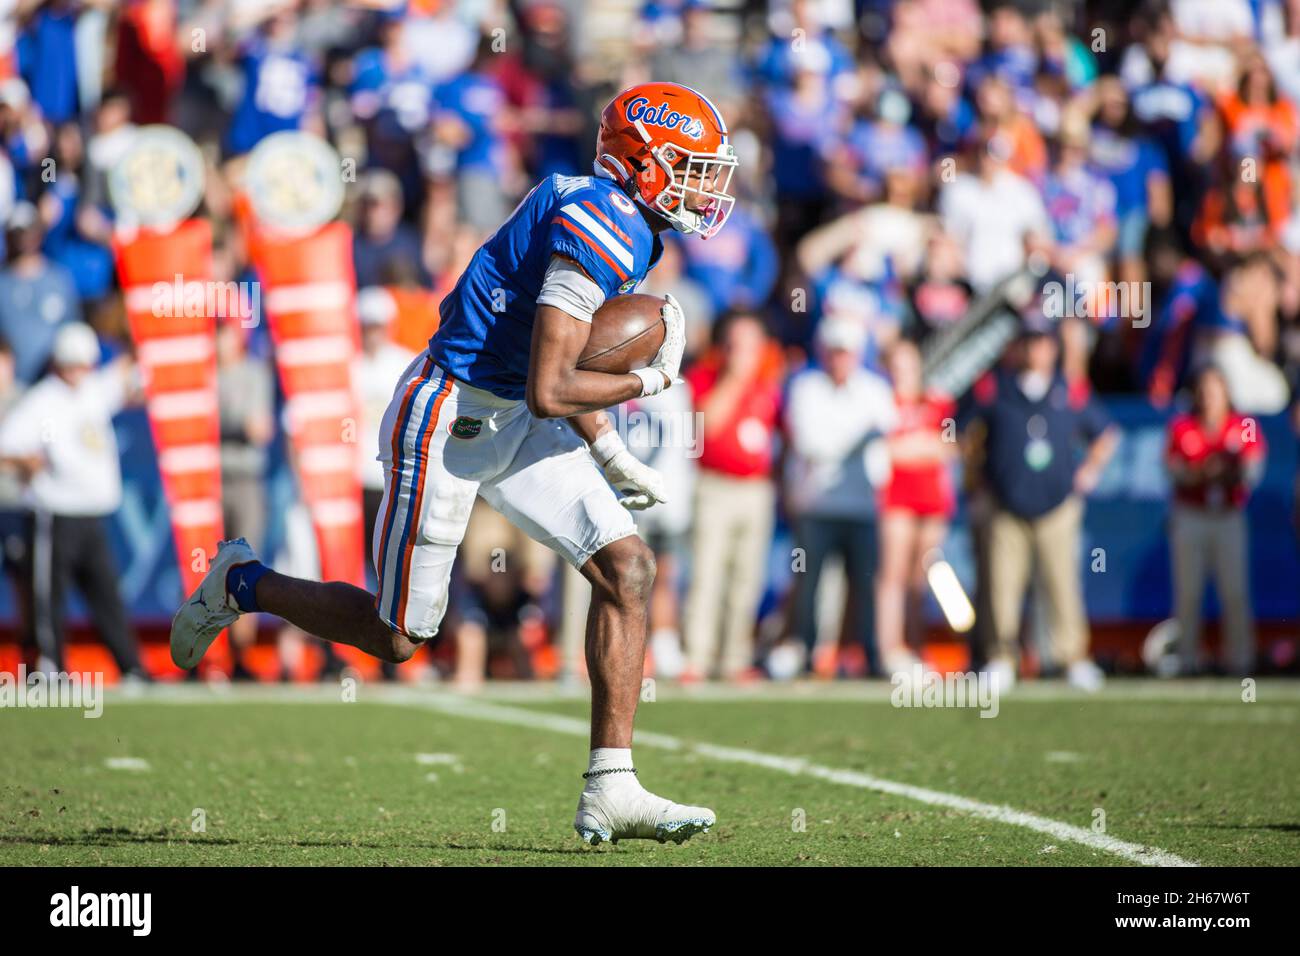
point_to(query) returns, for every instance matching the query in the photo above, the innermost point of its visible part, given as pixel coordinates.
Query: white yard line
(476, 709)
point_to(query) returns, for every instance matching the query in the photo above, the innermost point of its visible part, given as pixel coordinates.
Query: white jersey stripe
(598, 232)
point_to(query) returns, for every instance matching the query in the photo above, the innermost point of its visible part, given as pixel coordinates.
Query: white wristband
(606, 446)
(652, 380)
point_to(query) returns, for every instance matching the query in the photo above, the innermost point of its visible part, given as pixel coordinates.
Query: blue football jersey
(485, 334)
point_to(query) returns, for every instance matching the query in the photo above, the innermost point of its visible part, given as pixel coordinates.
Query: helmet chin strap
(660, 214)
(683, 220)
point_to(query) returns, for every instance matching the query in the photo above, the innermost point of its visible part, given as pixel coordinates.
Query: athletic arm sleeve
(568, 288)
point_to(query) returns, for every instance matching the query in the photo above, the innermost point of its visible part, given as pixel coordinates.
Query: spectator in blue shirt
(945, 117)
(1011, 54)
(806, 121)
(392, 94)
(1172, 111)
(37, 296)
(1188, 303)
(281, 84)
(472, 108)
(876, 145)
(779, 64)
(1081, 206)
(1176, 114)
(1136, 167)
(47, 60)
(78, 233)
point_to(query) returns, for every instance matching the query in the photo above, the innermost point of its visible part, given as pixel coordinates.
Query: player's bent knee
(624, 571)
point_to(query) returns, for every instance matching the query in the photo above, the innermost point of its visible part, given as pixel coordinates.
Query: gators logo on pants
(465, 427)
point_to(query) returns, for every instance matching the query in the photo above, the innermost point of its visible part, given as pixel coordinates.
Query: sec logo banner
(294, 181)
(159, 181)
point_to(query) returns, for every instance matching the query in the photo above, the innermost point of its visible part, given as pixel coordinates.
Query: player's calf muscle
(334, 611)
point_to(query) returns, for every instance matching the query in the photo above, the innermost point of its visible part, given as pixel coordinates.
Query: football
(626, 333)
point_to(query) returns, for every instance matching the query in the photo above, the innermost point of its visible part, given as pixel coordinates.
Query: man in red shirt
(1214, 456)
(737, 400)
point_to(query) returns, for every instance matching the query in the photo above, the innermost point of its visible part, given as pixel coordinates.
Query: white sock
(609, 758)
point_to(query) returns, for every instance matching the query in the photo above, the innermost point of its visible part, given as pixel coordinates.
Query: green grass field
(802, 775)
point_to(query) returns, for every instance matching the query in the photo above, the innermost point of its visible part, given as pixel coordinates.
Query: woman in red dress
(916, 505)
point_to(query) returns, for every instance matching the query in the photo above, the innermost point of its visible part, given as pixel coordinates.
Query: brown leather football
(626, 333)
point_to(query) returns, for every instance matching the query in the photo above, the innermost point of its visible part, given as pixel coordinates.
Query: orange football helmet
(665, 144)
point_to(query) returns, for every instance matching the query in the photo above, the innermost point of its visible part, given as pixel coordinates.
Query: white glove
(668, 360)
(641, 485)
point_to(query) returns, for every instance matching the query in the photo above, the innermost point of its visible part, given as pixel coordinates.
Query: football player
(497, 407)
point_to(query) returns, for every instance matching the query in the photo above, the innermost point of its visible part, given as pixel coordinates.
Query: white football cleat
(1002, 675)
(631, 812)
(209, 610)
(1086, 676)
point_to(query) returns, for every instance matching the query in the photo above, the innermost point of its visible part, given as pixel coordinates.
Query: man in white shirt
(378, 370)
(62, 430)
(836, 418)
(997, 216)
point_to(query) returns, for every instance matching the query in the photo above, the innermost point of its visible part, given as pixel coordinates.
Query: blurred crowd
(899, 160)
